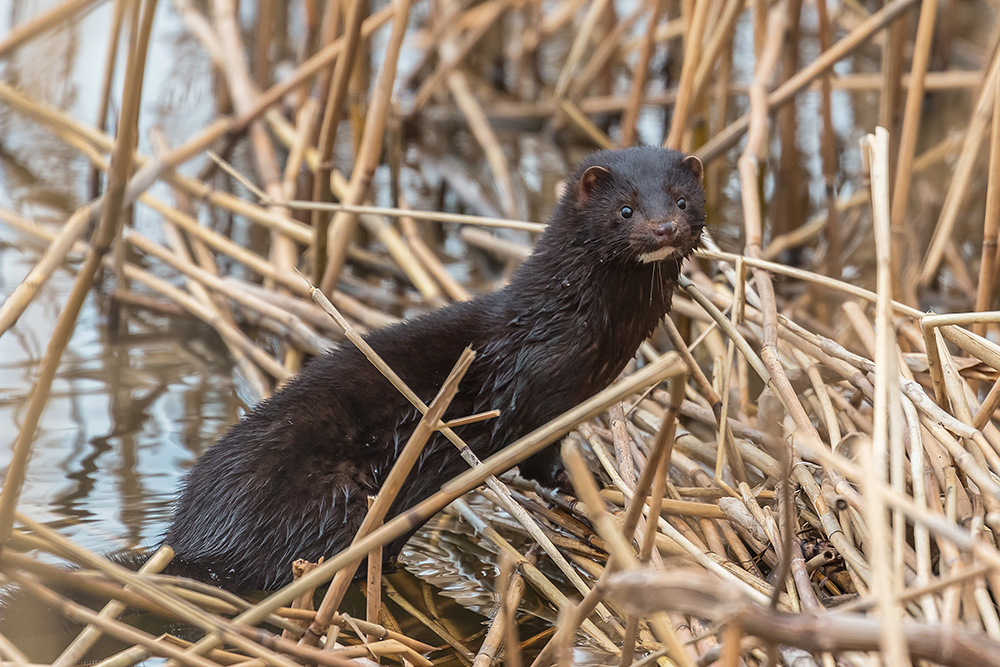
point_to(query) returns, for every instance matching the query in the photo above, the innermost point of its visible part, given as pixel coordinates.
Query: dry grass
(818, 445)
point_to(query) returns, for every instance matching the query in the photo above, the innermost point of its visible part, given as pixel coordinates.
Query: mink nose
(666, 230)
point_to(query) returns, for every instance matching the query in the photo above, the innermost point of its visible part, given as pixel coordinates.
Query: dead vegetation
(818, 479)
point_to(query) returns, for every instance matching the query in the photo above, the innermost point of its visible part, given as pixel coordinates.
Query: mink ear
(694, 164)
(591, 179)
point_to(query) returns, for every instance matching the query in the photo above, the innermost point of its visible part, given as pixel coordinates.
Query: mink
(291, 479)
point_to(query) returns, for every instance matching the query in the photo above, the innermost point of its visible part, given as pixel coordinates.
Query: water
(130, 410)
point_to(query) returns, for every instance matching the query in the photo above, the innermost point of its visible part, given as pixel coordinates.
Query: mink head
(635, 206)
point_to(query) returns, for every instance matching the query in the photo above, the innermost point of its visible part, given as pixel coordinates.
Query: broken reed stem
(689, 591)
(510, 602)
(498, 629)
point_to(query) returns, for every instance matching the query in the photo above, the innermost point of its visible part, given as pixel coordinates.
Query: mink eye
(626, 212)
(681, 204)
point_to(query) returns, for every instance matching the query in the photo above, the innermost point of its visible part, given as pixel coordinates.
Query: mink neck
(574, 290)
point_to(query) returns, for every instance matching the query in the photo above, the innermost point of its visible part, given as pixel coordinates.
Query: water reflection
(128, 414)
(130, 410)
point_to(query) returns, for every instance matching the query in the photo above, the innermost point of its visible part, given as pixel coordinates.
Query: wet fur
(290, 480)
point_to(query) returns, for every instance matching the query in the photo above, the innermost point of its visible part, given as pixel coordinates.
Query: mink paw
(554, 478)
(561, 482)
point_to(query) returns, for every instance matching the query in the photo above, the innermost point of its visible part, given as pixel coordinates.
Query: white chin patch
(657, 255)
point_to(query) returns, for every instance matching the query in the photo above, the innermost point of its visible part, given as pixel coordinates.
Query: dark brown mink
(290, 480)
